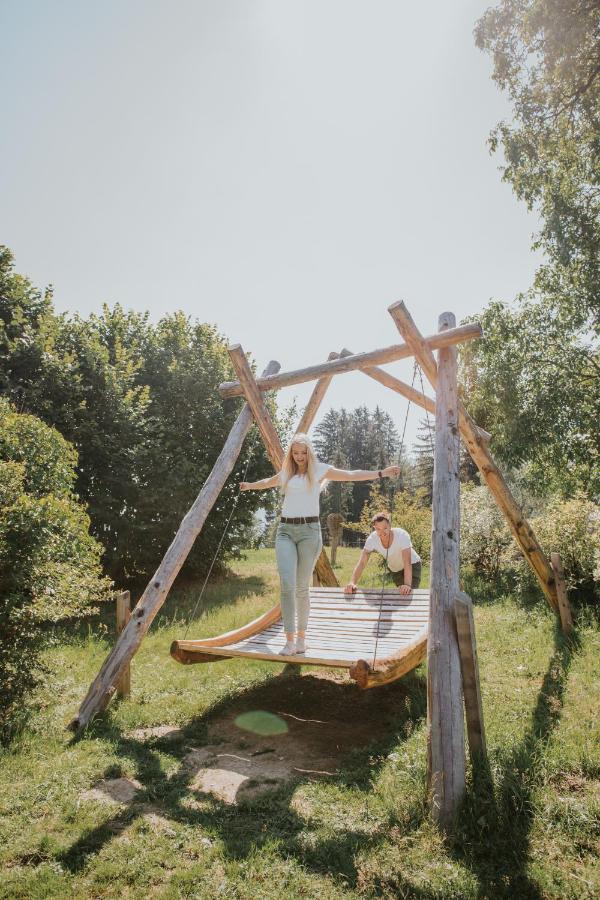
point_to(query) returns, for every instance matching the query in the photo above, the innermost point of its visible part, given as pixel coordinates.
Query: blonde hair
(289, 467)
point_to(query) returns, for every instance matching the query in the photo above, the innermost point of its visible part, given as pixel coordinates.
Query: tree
(424, 455)
(139, 402)
(535, 392)
(546, 56)
(356, 440)
(331, 444)
(534, 379)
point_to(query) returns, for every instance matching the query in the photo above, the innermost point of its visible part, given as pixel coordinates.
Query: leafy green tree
(188, 424)
(536, 393)
(546, 56)
(331, 444)
(49, 563)
(534, 379)
(140, 404)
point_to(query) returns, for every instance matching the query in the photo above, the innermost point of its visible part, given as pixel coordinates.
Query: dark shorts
(398, 577)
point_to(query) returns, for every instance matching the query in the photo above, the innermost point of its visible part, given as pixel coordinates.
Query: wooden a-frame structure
(452, 667)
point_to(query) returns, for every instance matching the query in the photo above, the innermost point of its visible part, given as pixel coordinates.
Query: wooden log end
(189, 657)
(446, 320)
(176, 652)
(359, 671)
(398, 305)
(234, 348)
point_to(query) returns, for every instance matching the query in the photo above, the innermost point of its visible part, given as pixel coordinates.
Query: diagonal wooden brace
(518, 524)
(127, 645)
(315, 400)
(271, 438)
(406, 390)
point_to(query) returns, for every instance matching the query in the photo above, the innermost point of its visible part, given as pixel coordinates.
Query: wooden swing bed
(377, 635)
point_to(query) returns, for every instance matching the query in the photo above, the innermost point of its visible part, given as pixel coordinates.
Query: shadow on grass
(356, 731)
(493, 834)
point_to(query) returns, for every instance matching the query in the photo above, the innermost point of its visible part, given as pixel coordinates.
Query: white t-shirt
(299, 499)
(401, 542)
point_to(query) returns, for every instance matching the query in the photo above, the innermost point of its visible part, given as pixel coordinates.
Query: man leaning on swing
(395, 545)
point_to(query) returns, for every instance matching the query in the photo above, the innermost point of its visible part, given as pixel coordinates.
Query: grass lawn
(279, 783)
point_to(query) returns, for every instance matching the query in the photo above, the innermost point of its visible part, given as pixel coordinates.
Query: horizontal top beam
(357, 361)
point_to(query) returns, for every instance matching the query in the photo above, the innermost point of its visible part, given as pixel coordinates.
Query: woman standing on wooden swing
(299, 542)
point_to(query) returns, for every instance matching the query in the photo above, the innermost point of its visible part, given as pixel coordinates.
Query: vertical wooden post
(465, 632)
(566, 619)
(123, 616)
(446, 741)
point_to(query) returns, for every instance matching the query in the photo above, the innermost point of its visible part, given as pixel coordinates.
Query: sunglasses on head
(380, 519)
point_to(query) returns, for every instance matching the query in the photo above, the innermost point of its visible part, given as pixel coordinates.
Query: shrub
(49, 563)
(484, 535)
(571, 528)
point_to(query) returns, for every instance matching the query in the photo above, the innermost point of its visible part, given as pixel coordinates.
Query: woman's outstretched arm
(271, 482)
(361, 474)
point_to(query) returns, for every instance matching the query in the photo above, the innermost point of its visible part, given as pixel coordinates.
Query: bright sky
(284, 169)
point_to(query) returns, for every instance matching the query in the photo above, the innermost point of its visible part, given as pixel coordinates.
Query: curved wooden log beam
(358, 361)
(185, 651)
(392, 667)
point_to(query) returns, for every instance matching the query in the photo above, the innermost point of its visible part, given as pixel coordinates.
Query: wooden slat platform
(377, 638)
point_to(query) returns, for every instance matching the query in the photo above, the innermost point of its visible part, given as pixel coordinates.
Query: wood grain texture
(316, 398)
(351, 363)
(335, 640)
(465, 630)
(564, 609)
(444, 681)
(416, 397)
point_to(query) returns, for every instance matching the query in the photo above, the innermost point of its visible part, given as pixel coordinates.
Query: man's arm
(358, 570)
(406, 588)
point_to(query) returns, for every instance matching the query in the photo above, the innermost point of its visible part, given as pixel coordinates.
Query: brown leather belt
(299, 520)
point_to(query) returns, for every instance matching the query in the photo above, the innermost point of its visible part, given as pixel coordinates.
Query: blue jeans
(297, 548)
